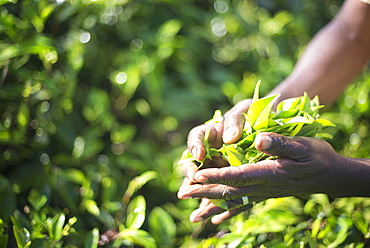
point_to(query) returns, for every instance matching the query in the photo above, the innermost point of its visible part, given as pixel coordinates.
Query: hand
(206, 210)
(229, 131)
(305, 166)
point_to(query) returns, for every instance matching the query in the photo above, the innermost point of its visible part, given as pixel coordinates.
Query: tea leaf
(247, 141)
(219, 203)
(296, 129)
(55, 226)
(247, 126)
(259, 111)
(288, 104)
(136, 212)
(139, 237)
(217, 117)
(37, 201)
(207, 145)
(256, 94)
(138, 182)
(92, 239)
(325, 123)
(232, 154)
(162, 227)
(286, 113)
(295, 116)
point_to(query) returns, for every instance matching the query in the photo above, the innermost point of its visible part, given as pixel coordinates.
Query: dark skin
(306, 165)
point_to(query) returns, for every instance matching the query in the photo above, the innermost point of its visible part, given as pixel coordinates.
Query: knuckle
(196, 132)
(239, 108)
(241, 178)
(277, 168)
(224, 193)
(232, 176)
(228, 193)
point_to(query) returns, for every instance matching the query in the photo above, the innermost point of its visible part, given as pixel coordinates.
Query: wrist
(351, 178)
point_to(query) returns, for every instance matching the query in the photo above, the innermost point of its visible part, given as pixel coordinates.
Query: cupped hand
(229, 131)
(305, 166)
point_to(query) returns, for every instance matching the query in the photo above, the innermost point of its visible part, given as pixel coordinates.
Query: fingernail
(197, 219)
(181, 195)
(265, 142)
(230, 131)
(194, 152)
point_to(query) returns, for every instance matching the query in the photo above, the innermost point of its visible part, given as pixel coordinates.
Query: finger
(246, 174)
(296, 148)
(196, 138)
(217, 219)
(204, 212)
(218, 191)
(234, 122)
(188, 169)
(204, 202)
(184, 189)
(296, 154)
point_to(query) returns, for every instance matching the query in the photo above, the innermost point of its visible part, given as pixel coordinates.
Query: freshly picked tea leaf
(297, 116)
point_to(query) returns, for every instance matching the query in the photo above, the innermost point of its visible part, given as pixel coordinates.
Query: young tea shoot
(293, 117)
(297, 116)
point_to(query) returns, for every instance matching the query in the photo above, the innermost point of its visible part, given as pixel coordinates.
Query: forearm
(336, 55)
(352, 177)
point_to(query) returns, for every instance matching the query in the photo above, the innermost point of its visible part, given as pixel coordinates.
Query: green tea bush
(96, 100)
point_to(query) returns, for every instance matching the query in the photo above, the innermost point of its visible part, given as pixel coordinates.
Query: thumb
(296, 148)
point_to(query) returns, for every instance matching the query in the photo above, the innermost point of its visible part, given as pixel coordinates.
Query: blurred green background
(97, 98)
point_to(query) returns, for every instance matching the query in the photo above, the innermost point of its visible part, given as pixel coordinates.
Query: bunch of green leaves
(297, 116)
(42, 226)
(290, 222)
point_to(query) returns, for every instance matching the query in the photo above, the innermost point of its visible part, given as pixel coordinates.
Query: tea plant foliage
(97, 98)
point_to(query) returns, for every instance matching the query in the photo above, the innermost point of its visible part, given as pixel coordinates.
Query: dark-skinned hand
(305, 166)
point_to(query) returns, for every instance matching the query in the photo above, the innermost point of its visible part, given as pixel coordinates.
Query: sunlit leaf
(325, 123)
(162, 227)
(256, 94)
(139, 237)
(74, 175)
(286, 114)
(344, 224)
(7, 1)
(217, 117)
(19, 236)
(247, 141)
(289, 104)
(231, 240)
(136, 212)
(219, 203)
(91, 207)
(169, 29)
(259, 111)
(37, 200)
(9, 52)
(234, 156)
(92, 239)
(138, 182)
(55, 226)
(23, 114)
